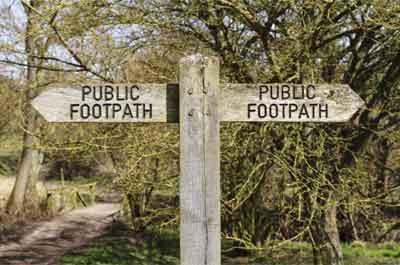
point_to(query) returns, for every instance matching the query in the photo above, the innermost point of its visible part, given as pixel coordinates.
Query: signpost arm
(200, 242)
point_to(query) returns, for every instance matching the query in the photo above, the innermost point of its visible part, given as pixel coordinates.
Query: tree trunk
(23, 183)
(32, 196)
(382, 155)
(335, 253)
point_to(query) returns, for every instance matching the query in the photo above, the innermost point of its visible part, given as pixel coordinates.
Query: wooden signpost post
(199, 103)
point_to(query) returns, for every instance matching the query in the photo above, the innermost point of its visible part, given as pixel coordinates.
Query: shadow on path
(50, 240)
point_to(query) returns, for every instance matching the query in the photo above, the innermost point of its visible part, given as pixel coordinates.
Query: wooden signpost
(288, 103)
(109, 103)
(199, 103)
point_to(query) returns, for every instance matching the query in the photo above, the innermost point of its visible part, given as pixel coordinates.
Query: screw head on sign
(191, 112)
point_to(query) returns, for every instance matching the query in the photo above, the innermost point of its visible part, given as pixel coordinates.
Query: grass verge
(122, 247)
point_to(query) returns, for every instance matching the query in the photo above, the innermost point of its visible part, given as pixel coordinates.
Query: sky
(12, 13)
(11, 10)
(15, 6)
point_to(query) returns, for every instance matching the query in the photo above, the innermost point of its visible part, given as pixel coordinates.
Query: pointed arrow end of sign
(37, 104)
(46, 105)
(357, 103)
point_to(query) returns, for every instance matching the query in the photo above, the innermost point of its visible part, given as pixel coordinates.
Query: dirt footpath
(52, 239)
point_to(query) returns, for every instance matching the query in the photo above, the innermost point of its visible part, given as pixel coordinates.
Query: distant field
(122, 247)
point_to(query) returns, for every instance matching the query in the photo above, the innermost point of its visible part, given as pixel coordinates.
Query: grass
(122, 247)
(386, 250)
(8, 163)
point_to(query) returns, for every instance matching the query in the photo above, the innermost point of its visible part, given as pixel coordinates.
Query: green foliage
(390, 250)
(319, 168)
(148, 167)
(10, 109)
(151, 248)
(8, 164)
(280, 181)
(245, 171)
(122, 246)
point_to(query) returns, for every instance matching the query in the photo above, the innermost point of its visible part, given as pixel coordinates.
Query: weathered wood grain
(55, 104)
(342, 103)
(199, 162)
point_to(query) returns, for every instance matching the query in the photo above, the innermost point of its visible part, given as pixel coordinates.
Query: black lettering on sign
(108, 93)
(310, 91)
(85, 111)
(287, 111)
(262, 111)
(107, 109)
(116, 108)
(148, 110)
(134, 98)
(96, 111)
(273, 111)
(98, 93)
(263, 90)
(292, 108)
(285, 92)
(86, 90)
(272, 90)
(107, 106)
(250, 108)
(111, 111)
(127, 112)
(137, 107)
(313, 106)
(120, 97)
(303, 112)
(73, 110)
(284, 105)
(283, 108)
(323, 109)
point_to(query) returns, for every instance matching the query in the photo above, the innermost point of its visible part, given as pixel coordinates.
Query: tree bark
(32, 197)
(23, 182)
(382, 155)
(335, 253)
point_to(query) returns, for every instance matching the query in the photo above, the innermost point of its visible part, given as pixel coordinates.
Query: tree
(310, 41)
(319, 170)
(88, 50)
(43, 40)
(25, 184)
